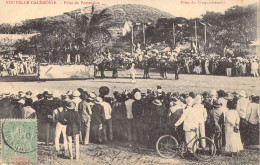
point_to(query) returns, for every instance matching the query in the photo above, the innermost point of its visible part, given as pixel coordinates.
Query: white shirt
(129, 104)
(107, 110)
(242, 105)
(201, 113)
(189, 117)
(253, 113)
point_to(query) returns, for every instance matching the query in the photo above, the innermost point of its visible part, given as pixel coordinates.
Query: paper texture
(155, 52)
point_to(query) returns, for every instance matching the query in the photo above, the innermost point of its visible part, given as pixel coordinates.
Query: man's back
(97, 114)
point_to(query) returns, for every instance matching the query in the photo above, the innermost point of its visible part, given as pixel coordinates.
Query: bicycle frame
(187, 143)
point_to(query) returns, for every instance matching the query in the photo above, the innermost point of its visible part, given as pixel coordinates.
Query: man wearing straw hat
(85, 113)
(73, 127)
(97, 120)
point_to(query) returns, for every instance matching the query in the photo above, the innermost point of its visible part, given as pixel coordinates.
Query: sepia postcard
(129, 82)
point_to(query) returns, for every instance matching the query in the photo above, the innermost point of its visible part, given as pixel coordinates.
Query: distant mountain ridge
(126, 12)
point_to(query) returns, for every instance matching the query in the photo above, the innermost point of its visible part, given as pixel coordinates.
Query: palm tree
(89, 30)
(93, 28)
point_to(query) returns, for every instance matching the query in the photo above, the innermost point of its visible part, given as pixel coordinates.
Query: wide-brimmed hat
(157, 102)
(70, 105)
(98, 100)
(159, 91)
(242, 93)
(92, 96)
(76, 93)
(104, 90)
(137, 95)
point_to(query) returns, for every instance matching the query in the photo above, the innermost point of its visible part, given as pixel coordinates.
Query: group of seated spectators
(139, 116)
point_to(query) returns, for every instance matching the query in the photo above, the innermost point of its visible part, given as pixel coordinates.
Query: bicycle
(203, 148)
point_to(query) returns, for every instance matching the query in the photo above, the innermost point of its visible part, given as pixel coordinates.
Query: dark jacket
(216, 120)
(118, 110)
(84, 111)
(97, 114)
(46, 108)
(73, 122)
(137, 109)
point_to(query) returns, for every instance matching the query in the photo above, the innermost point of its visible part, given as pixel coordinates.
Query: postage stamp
(19, 141)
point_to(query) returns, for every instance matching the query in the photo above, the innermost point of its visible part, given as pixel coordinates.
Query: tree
(91, 30)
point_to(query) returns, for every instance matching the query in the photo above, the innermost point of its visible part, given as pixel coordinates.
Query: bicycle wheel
(204, 149)
(167, 146)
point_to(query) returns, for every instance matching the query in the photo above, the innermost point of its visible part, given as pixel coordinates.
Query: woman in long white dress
(232, 134)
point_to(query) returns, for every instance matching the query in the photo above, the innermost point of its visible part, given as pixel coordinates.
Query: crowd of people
(177, 61)
(14, 67)
(139, 116)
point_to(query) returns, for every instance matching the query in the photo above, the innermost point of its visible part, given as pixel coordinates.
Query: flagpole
(196, 39)
(132, 34)
(132, 38)
(205, 33)
(144, 32)
(173, 30)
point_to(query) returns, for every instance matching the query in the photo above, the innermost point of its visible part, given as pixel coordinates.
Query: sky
(13, 13)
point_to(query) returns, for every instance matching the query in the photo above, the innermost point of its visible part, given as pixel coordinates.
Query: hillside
(122, 13)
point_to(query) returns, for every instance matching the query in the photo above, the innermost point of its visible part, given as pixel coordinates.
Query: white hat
(189, 101)
(138, 95)
(242, 93)
(92, 96)
(159, 91)
(76, 93)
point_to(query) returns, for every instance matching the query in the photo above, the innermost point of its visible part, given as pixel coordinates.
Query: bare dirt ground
(119, 153)
(186, 83)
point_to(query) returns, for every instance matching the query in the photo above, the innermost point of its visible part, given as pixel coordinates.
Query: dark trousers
(243, 127)
(217, 138)
(176, 75)
(119, 129)
(49, 133)
(253, 133)
(138, 131)
(108, 130)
